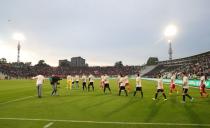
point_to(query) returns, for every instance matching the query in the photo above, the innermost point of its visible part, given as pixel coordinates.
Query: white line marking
(16, 100)
(106, 122)
(48, 125)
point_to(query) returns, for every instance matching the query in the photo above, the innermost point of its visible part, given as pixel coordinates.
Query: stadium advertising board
(195, 83)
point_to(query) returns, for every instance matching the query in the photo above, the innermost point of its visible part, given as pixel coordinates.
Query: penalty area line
(106, 122)
(20, 99)
(48, 125)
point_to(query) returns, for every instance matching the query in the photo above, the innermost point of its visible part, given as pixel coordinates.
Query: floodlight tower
(170, 32)
(170, 51)
(18, 55)
(19, 37)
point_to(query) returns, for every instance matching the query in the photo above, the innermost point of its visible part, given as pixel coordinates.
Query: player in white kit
(138, 86)
(160, 88)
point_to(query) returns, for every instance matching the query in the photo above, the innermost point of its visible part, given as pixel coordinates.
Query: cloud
(106, 30)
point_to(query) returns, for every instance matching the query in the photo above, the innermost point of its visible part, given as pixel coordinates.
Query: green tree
(118, 64)
(3, 60)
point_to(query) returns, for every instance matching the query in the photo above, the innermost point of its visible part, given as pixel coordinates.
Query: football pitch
(20, 107)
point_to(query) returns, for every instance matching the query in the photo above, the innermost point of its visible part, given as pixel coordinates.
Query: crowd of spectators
(27, 71)
(194, 66)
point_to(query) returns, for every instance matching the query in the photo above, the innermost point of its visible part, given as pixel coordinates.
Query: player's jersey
(126, 80)
(173, 77)
(138, 81)
(160, 83)
(40, 79)
(202, 81)
(84, 79)
(106, 79)
(122, 83)
(68, 78)
(91, 79)
(102, 78)
(185, 82)
(77, 78)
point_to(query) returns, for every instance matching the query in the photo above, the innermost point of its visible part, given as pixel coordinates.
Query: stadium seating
(194, 65)
(26, 71)
(145, 69)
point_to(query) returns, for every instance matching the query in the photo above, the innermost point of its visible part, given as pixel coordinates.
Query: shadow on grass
(61, 100)
(154, 108)
(174, 100)
(122, 107)
(200, 100)
(192, 115)
(95, 104)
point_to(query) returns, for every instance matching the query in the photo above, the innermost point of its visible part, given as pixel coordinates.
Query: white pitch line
(16, 100)
(48, 125)
(106, 122)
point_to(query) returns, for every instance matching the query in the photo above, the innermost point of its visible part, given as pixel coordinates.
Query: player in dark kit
(54, 82)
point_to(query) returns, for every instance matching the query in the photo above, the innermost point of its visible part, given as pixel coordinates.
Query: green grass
(97, 106)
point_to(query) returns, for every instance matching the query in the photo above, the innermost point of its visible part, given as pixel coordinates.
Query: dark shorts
(138, 88)
(84, 83)
(106, 86)
(77, 82)
(160, 90)
(122, 87)
(185, 90)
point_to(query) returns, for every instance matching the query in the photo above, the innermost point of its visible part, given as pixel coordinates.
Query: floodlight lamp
(19, 37)
(170, 31)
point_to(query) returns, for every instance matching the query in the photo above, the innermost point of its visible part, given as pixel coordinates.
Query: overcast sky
(102, 31)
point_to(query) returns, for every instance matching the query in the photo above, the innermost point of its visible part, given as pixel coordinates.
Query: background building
(75, 62)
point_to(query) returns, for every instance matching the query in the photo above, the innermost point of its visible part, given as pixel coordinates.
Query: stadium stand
(194, 65)
(26, 71)
(147, 68)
